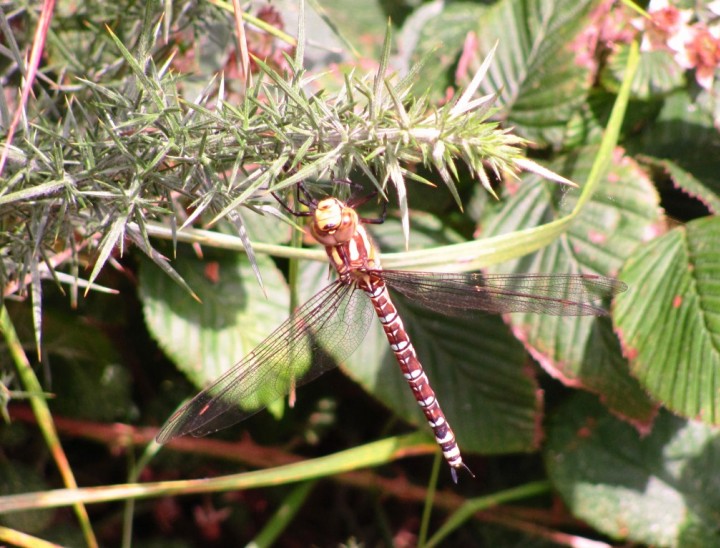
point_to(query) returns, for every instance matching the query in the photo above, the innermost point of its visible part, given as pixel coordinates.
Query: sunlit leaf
(669, 321)
(661, 489)
(206, 339)
(658, 73)
(582, 351)
(434, 28)
(534, 63)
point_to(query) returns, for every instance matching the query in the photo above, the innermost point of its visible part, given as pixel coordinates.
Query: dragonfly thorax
(333, 223)
(339, 229)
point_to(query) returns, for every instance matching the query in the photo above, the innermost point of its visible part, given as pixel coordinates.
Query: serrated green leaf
(669, 321)
(206, 339)
(684, 131)
(657, 74)
(437, 28)
(690, 184)
(427, 231)
(661, 489)
(581, 351)
(534, 64)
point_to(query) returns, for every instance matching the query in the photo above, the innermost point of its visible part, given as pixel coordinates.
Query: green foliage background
(132, 145)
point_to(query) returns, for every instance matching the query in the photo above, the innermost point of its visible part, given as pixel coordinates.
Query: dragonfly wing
(335, 319)
(463, 293)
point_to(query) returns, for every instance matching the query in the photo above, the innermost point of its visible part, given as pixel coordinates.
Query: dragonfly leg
(289, 209)
(377, 220)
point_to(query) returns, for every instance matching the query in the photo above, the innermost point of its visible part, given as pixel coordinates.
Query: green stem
(472, 506)
(429, 499)
(365, 456)
(38, 403)
(283, 516)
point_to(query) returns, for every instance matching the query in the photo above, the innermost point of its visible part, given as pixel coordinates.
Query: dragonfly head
(334, 223)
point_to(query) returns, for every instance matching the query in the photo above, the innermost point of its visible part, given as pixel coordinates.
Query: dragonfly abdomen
(413, 372)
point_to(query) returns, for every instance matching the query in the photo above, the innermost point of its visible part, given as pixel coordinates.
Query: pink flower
(702, 53)
(694, 46)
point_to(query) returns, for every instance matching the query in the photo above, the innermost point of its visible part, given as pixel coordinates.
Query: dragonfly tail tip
(454, 471)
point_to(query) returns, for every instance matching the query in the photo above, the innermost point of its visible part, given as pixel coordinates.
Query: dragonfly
(333, 323)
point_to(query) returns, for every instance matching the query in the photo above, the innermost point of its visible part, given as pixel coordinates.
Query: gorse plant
(123, 155)
(118, 151)
(141, 134)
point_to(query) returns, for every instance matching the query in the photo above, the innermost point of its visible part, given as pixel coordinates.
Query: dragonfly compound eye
(328, 215)
(333, 222)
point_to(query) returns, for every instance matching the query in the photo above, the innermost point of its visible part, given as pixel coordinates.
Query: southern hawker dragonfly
(331, 325)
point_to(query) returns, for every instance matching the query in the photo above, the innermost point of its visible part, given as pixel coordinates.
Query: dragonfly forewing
(328, 327)
(464, 293)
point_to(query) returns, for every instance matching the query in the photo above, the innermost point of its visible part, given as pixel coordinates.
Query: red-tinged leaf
(690, 184)
(669, 320)
(581, 351)
(684, 132)
(661, 489)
